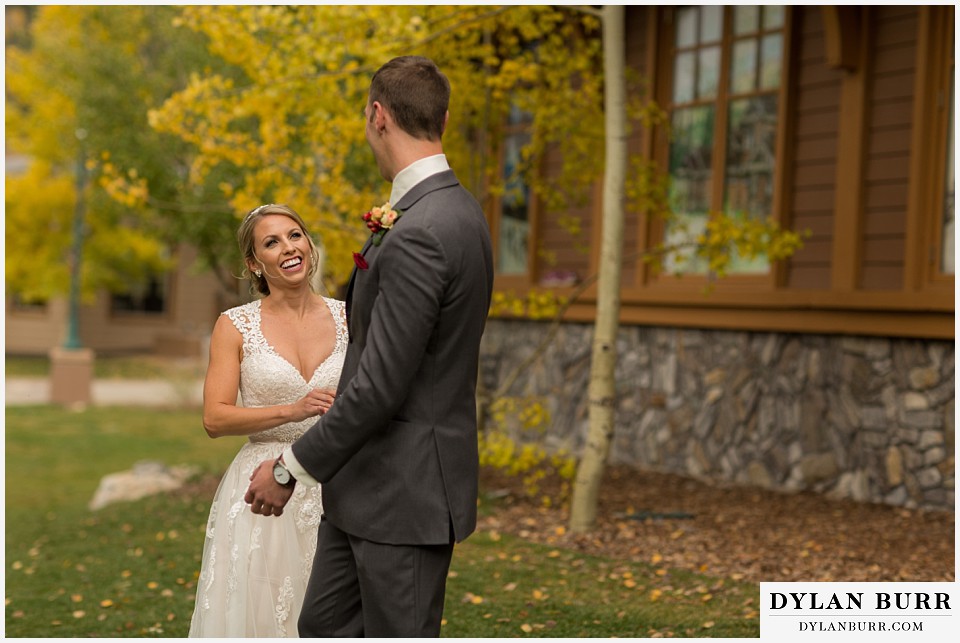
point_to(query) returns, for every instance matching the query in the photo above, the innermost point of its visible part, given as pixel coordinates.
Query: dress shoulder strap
(338, 309)
(246, 319)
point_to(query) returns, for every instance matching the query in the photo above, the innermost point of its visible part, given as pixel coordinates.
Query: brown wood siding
(817, 101)
(636, 47)
(570, 252)
(887, 165)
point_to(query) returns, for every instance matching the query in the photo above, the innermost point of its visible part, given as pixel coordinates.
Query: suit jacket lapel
(353, 278)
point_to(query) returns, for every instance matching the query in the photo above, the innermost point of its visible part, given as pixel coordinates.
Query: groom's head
(416, 93)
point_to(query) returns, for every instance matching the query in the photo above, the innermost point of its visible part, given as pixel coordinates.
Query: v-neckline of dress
(313, 374)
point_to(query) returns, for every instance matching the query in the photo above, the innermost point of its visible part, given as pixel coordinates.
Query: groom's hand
(264, 495)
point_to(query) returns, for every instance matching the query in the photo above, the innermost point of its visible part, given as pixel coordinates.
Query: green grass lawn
(129, 570)
(113, 367)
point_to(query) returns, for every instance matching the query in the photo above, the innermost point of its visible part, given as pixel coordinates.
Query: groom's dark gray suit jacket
(397, 452)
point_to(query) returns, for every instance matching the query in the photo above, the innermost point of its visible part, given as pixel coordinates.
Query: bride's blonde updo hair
(247, 242)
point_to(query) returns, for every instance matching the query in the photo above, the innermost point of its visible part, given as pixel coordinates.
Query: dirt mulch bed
(743, 533)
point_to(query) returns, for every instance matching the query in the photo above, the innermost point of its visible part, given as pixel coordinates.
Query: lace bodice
(267, 379)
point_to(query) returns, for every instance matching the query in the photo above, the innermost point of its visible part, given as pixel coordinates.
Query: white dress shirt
(402, 183)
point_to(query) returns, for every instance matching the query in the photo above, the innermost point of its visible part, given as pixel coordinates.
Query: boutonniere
(380, 219)
(359, 261)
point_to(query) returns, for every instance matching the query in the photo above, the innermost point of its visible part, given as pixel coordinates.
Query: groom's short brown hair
(417, 94)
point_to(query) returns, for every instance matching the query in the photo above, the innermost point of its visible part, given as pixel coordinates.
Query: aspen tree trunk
(602, 391)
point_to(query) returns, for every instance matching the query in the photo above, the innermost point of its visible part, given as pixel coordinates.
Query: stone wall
(870, 419)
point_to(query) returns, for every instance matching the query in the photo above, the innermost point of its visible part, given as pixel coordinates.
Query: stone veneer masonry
(866, 418)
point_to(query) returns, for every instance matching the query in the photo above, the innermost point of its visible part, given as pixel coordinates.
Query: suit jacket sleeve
(412, 278)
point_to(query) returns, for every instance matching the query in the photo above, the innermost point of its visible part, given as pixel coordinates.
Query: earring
(257, 273)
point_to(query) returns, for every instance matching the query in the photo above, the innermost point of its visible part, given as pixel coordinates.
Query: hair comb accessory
(254, 212)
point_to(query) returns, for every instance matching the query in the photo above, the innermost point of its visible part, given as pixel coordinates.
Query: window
(727, 80)
(150, 298)
(26, 303)
(513, 236)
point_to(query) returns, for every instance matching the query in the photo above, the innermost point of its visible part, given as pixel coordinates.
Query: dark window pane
(149, 297)
(691, 155)
(751, 155)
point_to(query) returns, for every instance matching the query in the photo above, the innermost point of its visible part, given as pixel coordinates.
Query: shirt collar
(415, 173)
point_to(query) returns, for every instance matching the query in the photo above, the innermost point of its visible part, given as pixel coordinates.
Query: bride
(283, 354)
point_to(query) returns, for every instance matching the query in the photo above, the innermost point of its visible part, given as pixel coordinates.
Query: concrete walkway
(157, 392)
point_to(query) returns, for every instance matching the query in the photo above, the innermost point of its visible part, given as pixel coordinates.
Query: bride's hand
(316, 402)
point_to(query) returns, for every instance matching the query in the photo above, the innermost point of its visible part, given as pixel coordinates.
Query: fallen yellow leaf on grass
(708, 625)
(655, 595)
(509, 587)
(495, 536)
(76, 598)
(79, 614)
(526, 627)
(656, 558)
(706, 597)
(630, 583)
(106, 603)
(553, 554)
(153, 584)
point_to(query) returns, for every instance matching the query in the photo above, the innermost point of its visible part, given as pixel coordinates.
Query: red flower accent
(360, 261)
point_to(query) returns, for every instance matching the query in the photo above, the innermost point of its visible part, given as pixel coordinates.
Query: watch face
(280, 473)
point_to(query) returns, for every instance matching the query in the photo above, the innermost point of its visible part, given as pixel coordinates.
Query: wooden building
(832, 370)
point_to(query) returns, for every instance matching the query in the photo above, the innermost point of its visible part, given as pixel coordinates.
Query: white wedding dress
(254, 570)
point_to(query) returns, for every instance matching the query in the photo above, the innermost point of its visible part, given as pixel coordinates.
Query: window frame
(654, 281)
(527, 278)
(166, 282)
(932, 114)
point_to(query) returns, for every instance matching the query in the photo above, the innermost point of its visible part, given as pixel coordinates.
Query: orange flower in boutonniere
(380, 219)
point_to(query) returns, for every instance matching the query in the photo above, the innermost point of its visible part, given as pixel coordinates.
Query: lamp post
(73, 319)
(71, 365)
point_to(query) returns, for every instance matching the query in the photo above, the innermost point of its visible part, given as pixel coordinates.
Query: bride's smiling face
(281, 248)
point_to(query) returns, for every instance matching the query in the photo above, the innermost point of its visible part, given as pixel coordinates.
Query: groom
(397, 452)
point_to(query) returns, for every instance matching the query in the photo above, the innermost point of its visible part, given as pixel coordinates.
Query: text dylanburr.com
(858, 611)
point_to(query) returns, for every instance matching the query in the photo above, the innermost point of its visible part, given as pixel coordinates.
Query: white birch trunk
(602, 391)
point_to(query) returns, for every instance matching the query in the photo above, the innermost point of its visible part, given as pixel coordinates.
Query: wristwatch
(282, 474)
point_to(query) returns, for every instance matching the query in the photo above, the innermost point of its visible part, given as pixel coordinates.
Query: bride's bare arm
(221, 415)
